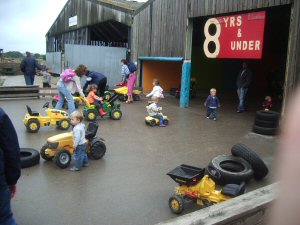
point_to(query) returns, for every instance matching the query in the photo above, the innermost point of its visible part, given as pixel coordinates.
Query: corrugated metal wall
(53, 60)
(105, 60)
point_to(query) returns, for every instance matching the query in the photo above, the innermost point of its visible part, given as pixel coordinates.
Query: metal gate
(105, 60)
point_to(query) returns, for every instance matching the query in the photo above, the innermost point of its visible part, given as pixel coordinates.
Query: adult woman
(124, 71)
(92, 78)
(130, 84)
(67, 87)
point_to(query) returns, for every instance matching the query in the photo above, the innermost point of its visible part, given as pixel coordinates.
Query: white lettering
(257, 45)
(245, 45)
(251, 44)
(232, 21)
(226, 20)
(239, 21)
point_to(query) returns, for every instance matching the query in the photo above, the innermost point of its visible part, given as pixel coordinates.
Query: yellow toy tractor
(33, 120)
(60, 147)
(195, 186)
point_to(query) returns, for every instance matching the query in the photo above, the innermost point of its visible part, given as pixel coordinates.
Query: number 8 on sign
(212, 38)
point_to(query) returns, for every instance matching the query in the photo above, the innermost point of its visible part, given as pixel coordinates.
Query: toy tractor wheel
(91, 115)
(44, 155)
(64, 124)
(166, 122)
(176, 204)
(54, 102)
(123, 98)
(63, 159)
(177, 95)
(116, 114)
(136, 98)
(33, 126)
(98, 150)
(152, 123)
(107, 96)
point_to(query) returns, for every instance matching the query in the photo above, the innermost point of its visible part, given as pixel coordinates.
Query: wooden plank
(21, 95)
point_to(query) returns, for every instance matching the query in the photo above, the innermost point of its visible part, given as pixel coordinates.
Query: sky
(24, 23)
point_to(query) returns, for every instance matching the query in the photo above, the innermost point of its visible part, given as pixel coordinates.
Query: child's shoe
(74, 168)
(85, 165)
(162, 125)
(102, 113)
(215, 119)
(207, 117)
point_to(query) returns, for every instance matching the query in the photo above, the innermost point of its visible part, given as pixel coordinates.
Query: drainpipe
(185, 84)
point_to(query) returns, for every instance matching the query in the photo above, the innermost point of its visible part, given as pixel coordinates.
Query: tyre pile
(266, 122)
(243, 165)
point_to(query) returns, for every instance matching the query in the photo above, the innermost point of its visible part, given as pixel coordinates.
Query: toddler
(154, 110)
(92, 98)
(212, 103)
(157, 91)
(80, 156)
(267, 104)
(46, 76)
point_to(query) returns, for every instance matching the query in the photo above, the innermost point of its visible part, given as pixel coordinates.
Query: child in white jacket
(157, 91)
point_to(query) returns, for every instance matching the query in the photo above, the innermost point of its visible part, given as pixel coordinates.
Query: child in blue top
(212, 103)
(80, 156)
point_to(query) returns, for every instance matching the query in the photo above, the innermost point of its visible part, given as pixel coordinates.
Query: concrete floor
(129, 185)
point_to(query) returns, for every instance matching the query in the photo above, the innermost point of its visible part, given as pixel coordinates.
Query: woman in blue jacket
(92, 77)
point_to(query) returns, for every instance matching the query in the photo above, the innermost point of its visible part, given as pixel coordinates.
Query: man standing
(28, 66)
(10, 167)
(243, 82)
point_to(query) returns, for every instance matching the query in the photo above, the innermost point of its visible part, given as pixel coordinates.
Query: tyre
(91, 115)
(177, 95)
(63, 159)
(166, 122)
(44, 155)
(29, 157)
(98, 150)
(116, 114)
(136, 98)
(54, 102)
(265, 131)
(33, 125)
(64, 124)
(266, 123)
(239, 170)
(259, 167)
(152, 123)
(123, 98)
(176, 204)
(267, 115)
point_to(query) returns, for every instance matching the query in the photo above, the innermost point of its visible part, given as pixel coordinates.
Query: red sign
(236, 36)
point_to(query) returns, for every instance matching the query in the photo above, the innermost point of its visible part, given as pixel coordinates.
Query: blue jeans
(6, 216)
(242, 92)
(80, 156)
(64, 92)
(29, 79)
(212, 112)
(160, 117)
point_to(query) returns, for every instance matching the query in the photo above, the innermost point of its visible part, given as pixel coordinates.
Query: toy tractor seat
(234, 190)
(30, 112)
(91, 130)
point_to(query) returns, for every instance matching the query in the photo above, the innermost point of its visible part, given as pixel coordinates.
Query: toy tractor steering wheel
(46, 105)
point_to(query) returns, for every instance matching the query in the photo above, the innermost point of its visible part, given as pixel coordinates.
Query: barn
(180, 40)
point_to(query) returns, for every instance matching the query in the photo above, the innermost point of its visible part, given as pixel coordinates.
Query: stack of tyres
(266, 122)
(241, 166)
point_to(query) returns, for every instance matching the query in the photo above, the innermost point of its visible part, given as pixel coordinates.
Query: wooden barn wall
(88, 13)
(165, 22)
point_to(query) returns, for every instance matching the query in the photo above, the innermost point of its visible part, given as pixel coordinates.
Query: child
(212, 103)
(46, 77)
(157, 90)
(154, 110)
(80, 156)
(267, 104)
(92, 98)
